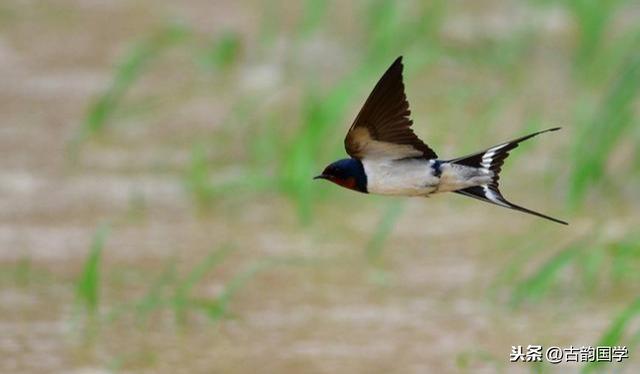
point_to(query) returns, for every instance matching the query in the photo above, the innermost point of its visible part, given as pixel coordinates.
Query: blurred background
(157, 212)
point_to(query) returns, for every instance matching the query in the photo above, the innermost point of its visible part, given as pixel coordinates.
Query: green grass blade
(223, 52)
(182, 295)
(539, 283)
(88, 285)
(613, 336)
(218, 309)
(597, 139)
(131, 67)
(196, 178)
(155, 298)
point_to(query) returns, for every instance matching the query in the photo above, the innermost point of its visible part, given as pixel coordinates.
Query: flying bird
(387, 158)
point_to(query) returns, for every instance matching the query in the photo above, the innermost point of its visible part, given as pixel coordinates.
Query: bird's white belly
(409, 177)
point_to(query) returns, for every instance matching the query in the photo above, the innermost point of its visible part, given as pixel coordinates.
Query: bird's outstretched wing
(382, 129)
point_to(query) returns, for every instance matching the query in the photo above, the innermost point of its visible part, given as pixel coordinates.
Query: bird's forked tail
(492, 159)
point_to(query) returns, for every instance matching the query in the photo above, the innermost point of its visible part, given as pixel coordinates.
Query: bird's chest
(410, 177)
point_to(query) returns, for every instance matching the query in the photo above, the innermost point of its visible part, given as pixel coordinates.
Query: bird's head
(348, 173)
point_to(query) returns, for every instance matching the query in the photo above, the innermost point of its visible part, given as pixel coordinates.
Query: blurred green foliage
(127, 72)
(605, 69)
(175, 293)
(88, 285)
(614, 336)
(613, 120)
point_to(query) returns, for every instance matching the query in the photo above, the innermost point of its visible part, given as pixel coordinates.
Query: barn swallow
(387, 158)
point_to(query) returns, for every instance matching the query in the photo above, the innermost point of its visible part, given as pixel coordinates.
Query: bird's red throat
(349, 183)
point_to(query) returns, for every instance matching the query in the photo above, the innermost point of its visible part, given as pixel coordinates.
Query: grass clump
(182, 299)
(178, 295)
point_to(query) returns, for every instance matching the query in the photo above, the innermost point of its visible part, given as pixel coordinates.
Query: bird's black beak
(321, 176)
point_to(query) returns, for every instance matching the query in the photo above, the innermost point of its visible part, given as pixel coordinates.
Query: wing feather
(383, 127)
